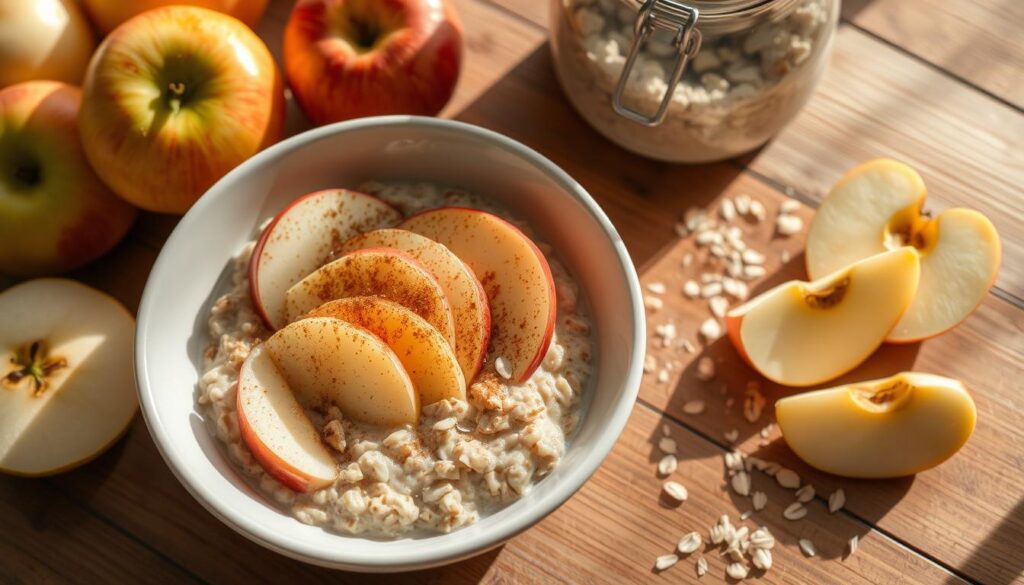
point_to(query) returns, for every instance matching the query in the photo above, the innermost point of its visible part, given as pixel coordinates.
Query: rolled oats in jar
(691, 81)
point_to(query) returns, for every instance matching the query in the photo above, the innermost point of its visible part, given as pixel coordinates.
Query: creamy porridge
(463, 458)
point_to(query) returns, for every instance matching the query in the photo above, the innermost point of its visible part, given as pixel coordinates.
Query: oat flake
(676, 491)
(836, 501)
(664, 562)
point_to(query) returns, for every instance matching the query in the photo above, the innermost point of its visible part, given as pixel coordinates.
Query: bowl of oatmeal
(389, 423)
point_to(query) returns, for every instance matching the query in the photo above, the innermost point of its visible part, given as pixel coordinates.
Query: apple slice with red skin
(514, 273)
(423, 351)
(303, 237)
(383, 272)
(470, 310)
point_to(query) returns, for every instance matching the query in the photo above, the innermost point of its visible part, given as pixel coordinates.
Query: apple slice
(383, 272)
(514, 273)
(276, 429)
(891, 427)
(877, 207)
(66, 386)
(801, 333)
(423, 351)
(328, 361)
(471, 312)
(303, 237)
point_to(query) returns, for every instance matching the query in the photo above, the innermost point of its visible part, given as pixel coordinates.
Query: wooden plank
(47, 538)
(875, 101)
(978, 41)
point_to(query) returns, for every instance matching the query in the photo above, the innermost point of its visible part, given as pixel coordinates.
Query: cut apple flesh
(328, 361)
(466, 297)
(276, 429)
(877, 207)
(66, 386)
(882, 428)
(383, 272)
(423, 351)
(514, 274)
(799, 333)
(305, 236)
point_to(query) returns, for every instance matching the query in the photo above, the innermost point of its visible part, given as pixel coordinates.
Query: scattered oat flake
(681, 230)
(762, 558)
(710, 330)
(757, 210)
(668, 465)
(503, 367)
(762, 538)
(805, 494)
(663, 376)
(753, 403)
(784, 256)
(760, 500)
(702, 567)
(694, 407)
(667, 445)
(705, 369)
(727, 209)
(653, 303)
(836, 501)
(751, 256)
(767, 430)
(711, 289)
(746, 514)
(743, 204)
(752, 272)
(787, 225)
(737, 571)
(787, 478)
(691, 289)
(732, 435)
(741, 483)
(688, 347)
(718, 305)
(676, 491)
(657, 288)
(794, 511)
(789, 206)
(689, 543)
(807, 547)
(650, 364)
(851, 546)
(687, 259)
(665, 430)
(664, 562)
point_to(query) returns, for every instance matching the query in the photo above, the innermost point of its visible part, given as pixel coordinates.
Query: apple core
(33, 363)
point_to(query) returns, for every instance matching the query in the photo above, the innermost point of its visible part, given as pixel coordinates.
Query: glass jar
(740, 70)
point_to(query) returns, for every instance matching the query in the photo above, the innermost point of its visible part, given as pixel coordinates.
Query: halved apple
(877, 207)
(514, 273)
(276, 429)
(383, 272)
(470, 310)
(804, 333)
(329, 361)
(891, 427)
(66, 386)
(303, 237)
(423, 351)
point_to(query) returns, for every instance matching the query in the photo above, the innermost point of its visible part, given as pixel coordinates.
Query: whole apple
(55, 213)
(107, 14)
(174, 99)
(351, 58)
(43, 39)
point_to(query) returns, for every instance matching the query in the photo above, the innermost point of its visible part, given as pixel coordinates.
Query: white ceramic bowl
(193, 267)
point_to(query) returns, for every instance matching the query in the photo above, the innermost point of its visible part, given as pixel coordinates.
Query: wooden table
(937, 84)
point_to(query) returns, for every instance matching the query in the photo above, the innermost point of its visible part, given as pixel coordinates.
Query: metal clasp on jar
(666, 15)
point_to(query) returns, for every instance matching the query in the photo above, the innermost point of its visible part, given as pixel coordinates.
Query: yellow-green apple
(55, 213)
(303, 237)
(67, 391)
(108, 14)
(423, 351)
(470, 309)
(43, 39)
(877, 206)
(383, 272)
(514, 273)
(805, 333)
(174, 99)
(891, 427)
(352, 58)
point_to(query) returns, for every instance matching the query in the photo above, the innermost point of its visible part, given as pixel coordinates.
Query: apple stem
(36, 366)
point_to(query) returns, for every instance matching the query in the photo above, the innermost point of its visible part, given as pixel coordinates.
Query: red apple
(107, 14)
(55, 213)
(351, 58)
(43, 39)
(174, 99)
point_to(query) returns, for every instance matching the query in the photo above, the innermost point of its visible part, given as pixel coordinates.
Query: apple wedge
(877, 207)
(515, 276)
(277, 431)
(471, 312)
(67, 391)
(303, 237)
(328, 361)
(423, 351)
(383, 272)
(891, 427)
(805, 333)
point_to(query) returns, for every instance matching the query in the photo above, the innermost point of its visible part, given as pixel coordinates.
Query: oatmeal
(463, 459)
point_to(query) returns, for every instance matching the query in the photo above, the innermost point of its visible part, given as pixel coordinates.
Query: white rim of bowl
(454, 550)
